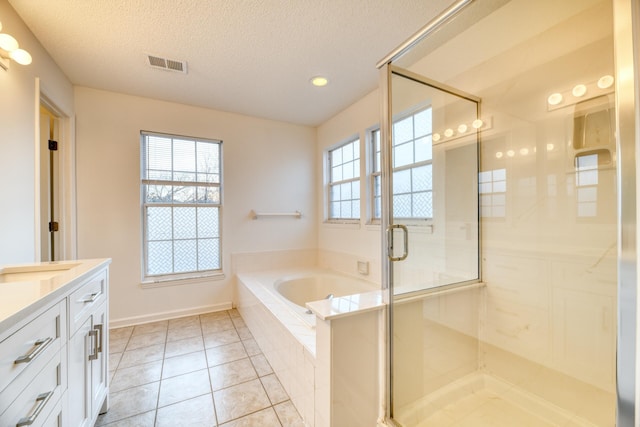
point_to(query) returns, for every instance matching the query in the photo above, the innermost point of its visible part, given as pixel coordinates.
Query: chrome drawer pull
(38, 348)
(92, 298)
(42, 400)
(98, 338)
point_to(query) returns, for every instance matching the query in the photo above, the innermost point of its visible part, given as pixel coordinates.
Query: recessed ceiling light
(319, 81)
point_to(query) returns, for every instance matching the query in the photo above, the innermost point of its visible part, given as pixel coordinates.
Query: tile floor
(202, 370)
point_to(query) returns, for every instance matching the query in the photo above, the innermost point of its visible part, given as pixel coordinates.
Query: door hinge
(53, 145)
(53, 226)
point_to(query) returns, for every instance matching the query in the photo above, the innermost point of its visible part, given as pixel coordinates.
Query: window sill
(178, 281)
(355, 224)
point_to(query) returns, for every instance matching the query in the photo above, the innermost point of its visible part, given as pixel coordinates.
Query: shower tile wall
(550, 269)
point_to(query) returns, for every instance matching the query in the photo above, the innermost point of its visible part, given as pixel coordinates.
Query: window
(376, 199)
(344, 181)
(587, 184)
(493, 188)
(412, 168)
(181, 208)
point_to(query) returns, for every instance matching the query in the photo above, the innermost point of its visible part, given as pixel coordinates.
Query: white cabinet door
(79, 377)
(99, 360)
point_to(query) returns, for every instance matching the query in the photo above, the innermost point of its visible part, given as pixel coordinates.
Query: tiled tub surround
(204, 370)
(329, 371)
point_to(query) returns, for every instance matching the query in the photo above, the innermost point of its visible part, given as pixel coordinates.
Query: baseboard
(148, 318)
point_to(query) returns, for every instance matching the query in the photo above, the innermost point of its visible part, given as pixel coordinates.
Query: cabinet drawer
(85, 299)
(24, 352)
(34, 404)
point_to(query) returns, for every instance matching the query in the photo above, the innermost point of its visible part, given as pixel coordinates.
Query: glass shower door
(548, 337)
(432, 237)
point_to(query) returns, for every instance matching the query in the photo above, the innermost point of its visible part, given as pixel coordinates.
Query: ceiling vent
(167, 64)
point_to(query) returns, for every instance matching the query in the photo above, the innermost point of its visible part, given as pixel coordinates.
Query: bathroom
(546, 249)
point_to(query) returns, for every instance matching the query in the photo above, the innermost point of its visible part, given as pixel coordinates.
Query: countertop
(50, 282)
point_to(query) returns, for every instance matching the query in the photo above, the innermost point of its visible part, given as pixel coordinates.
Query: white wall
(356, 241)
(18, 129)
(267, 166)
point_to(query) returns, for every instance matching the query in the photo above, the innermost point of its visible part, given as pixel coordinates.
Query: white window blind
(181, 204)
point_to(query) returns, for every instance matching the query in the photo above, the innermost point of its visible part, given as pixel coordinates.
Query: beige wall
(267, 166)
(362, 240)
(17, 138)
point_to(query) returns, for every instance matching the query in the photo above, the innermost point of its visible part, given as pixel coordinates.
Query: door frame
(66, 176)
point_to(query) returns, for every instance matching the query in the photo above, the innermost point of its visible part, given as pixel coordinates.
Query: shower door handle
(405, 252)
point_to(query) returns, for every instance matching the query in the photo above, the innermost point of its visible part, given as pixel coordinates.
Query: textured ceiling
(252, 57)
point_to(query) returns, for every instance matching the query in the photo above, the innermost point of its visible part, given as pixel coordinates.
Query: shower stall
(508, 199)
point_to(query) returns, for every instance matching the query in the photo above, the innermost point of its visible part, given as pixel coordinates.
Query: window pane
(184, 223)
(423, 149)
(376, 186)
(184, 160)
(158, 223)
(184, 194)
(403, 131)
(185, 256)
(334, 210)
(336, 174)
(402, 155)
(208, 194)
(422, 205)
(355, 190)
(207, 222)
(345, 209)
(402, 206)
(158, 158)
(159, 257)
(421, 178)
(485, 187)
(345, 191)
(347, 153)
(347, 170)
(336, 157)
(422, 123)
(158, 193)
(208, 254)
(500, 175)
(355, 209)
(402, 182)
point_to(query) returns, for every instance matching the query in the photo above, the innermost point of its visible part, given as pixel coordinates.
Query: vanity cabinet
(54, 347)
(31, 363)
(88, 368)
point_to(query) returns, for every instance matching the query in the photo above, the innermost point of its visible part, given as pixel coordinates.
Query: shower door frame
(387, 220)
(626, 25)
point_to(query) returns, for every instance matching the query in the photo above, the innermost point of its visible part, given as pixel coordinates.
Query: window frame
(144, 181)
(376, 169)
(330, 183)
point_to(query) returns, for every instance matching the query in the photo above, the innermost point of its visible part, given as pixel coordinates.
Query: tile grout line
(207, 368)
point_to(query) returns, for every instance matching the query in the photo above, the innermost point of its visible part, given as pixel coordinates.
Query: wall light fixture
(10, 49)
